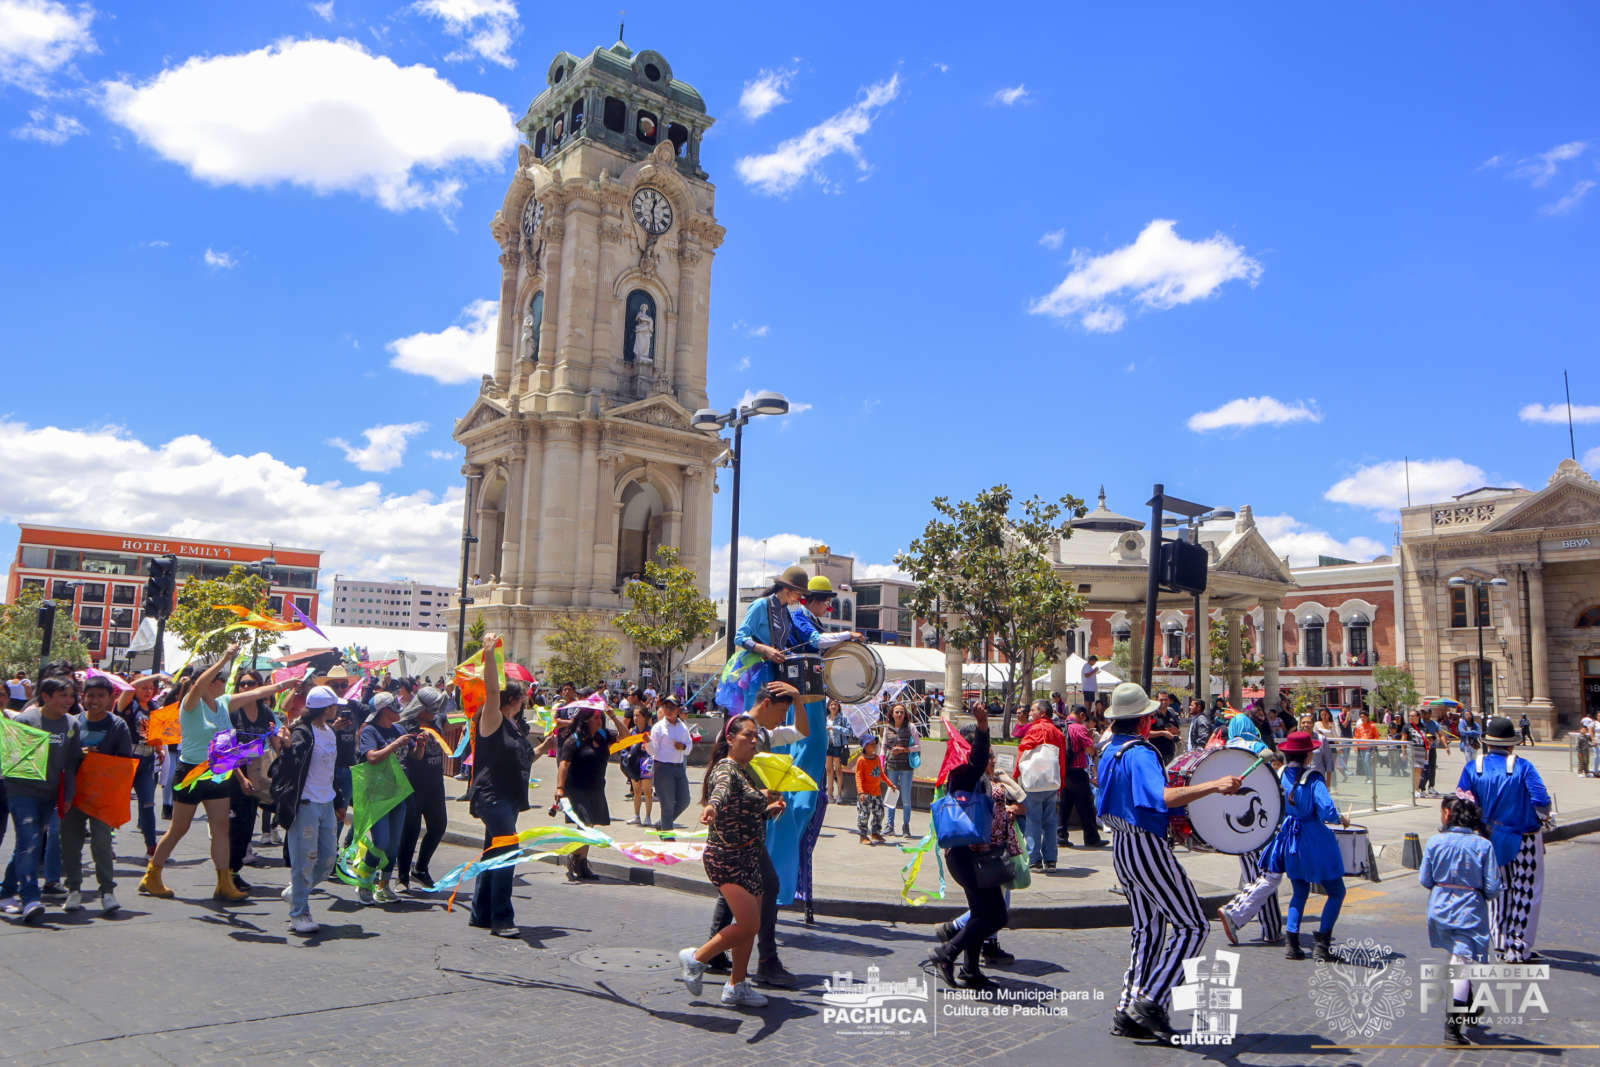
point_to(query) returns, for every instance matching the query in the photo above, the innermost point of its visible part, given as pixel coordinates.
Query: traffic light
(158, 590)
(1184, 566)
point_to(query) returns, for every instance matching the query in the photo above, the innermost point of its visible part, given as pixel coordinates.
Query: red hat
(1299, 741)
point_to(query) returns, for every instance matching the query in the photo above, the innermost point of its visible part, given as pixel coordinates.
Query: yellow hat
(819, 588)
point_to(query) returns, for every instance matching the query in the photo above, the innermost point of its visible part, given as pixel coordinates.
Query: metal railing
(1367, 776)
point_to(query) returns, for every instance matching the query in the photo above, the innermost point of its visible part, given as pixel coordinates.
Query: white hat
(1130, 701)
(322, 697)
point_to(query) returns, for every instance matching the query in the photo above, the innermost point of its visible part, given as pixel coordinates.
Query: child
(1460, 868)
(869, 791)
(1304, 848)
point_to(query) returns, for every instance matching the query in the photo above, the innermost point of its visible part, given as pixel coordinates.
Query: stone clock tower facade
(580, 460)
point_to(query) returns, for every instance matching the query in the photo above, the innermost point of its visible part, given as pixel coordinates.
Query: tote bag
(963, 819)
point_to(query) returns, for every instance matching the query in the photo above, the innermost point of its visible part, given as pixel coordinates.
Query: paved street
(591, 981)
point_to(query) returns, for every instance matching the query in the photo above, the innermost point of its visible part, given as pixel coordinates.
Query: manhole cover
(630, 960)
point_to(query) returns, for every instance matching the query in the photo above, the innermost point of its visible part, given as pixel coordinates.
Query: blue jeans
(312, 852)
(901, 780)
(672, 792)
(30, 816)
(1330, 910)
(144, 787)
(1044, 820)
(491, 890)
(387, 832)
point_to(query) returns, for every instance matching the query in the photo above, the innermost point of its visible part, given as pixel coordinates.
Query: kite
(469, 679)
(629, 742)
(781, 774)
(116, 682)
(104, 783)
(24, 751)
(300, 617)
(228, 753)
(377, 788)
(163, 728)
(256, 621)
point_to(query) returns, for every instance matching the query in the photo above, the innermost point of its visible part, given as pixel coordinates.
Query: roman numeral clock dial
(652, 210)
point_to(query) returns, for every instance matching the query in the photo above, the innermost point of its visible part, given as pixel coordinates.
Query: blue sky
(1261, 256)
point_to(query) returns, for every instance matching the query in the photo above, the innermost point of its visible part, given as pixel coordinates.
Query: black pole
(1195, 652)
(47, 626)
(733, 546)
(155, 653)
(1152, 589)
(467, 540)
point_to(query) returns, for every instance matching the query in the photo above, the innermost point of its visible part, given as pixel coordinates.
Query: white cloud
(1010, 97)
(486, 27)
(105, 478)
(1252, 411)
(49, 127)
(1542, 167)
(455, 354)
(1491, 162)
(1574, 197)
(744, 363)
(1382, 486)
(39, 38)
(385, 448)
(219, 260)
(1290, 537)
(1591, 459)
(1054, 239)
(325, 115)
(1159, 270)
(1129, 368)
(155, 244)
(798, 158)
(442, 453)
(762, 557)
(323, 11)
(1557, 413)
(764, 92)
(942, 68)
(750, 330)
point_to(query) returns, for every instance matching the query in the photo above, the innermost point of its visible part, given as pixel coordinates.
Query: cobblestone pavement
(592, 981)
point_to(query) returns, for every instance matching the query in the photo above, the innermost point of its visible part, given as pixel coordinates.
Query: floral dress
(738, 834)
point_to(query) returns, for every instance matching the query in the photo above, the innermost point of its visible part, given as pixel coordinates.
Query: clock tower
(580, 460)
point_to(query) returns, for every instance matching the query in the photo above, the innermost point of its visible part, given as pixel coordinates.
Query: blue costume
(792, 835)
(767, 622)
(1263, 904)
(1304, 848)
(1459, 866)
(1513, 798)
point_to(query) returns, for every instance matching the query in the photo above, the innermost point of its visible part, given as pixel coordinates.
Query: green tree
(579, 654)
(985, 564)
(1122, 658)
(21, 637)
(1306, 698)
(668, 613)
(196, 621)
(1248, 664)
(1394, 688)
(474, 640)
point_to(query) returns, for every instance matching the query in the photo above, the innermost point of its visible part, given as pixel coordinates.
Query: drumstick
(1259, 761)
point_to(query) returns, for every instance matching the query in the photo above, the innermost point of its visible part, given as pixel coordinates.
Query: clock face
(532, 215)
(652, 210)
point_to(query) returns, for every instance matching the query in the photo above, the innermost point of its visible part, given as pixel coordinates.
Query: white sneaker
(74, 901)
(742, 996)
(10, 905)
(632, 822)
(693, 971)
(304, 924)
(108, 903)
(251, 859)
(288, 892)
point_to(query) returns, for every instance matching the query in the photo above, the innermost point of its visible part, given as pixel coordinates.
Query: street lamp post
(708, 421)
(1479, 586)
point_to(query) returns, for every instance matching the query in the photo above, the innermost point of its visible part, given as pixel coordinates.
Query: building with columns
(580, 460)
(1541, 630)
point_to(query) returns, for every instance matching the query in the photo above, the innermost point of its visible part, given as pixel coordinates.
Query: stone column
(554, 303)
(511, 522)
(952, 674)
(510, 320)
(1538, 640)
(1058, 672)
(488, 539)
(474, 476)
(558, 511)
(587, 517)
(1271, 649)
(1202, 647)
(532, 505)
(695, 547)
(1235, 664)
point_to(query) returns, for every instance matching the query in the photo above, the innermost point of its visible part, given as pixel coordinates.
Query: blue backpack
(963, 819)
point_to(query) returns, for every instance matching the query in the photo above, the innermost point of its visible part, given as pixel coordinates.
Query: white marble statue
(644, 329)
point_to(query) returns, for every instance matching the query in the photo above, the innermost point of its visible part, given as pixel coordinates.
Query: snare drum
(851, 672)
(1242, 822)
(1355, 849)
(803, 670)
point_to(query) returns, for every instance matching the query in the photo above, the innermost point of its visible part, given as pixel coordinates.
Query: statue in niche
(644, 333)
(639, 329)
(532, 320)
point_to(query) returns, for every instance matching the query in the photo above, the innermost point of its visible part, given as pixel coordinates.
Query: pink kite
(300, 616)
(116, 683)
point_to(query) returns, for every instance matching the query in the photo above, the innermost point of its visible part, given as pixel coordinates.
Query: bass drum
(1242, 822)
(852, 673)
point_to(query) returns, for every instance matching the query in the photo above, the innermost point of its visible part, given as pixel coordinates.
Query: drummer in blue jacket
(1304, 848)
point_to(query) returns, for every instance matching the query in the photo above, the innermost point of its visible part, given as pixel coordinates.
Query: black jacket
(290, 771)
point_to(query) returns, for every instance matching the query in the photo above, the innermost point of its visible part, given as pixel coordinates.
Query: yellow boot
(151, 885)
(227, 891)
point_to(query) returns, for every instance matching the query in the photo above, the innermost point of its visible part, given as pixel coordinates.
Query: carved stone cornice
(689, 253)
(510, 259)
(561, 429)
(704, 228)
(612, 232)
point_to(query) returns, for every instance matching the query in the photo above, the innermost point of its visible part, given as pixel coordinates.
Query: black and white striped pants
(1270, 914)
(1159, 892)
(1514, 912)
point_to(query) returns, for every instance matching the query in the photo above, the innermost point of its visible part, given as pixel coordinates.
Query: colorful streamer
(228, 753)
(257, 621)
(629, 742)
(908, 874)
(300, 617)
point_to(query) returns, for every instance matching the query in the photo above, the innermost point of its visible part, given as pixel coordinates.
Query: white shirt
(1091, 673)
(319, 779)
(662, 737)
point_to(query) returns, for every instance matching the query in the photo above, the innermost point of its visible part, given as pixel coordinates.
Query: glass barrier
(1366, 776)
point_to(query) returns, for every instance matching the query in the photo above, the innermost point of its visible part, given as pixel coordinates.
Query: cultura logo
(1364, 994)
(1211, 991)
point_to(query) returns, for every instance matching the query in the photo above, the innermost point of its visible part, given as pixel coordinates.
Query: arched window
(1311, 645)
(541, 143)
(1358, 636)
(558, 131)
(532, 322)
(577, 116)
(615, 115)
(640, 329)
(1174, 631)
(678, 135)
(638, 529)
(645, 128)
(1590, 616)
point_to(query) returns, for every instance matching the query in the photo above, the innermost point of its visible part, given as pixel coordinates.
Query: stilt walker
(1515, 804)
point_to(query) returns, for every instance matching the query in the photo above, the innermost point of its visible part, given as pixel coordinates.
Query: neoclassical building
(580, 460)
(1541, 630)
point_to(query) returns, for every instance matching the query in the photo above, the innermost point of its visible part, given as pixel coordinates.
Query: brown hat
(795, 578)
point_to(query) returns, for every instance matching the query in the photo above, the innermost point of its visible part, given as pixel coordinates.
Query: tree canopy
(579, 653)
(668, 611)
(21, 637)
